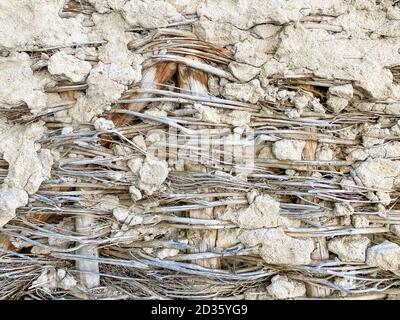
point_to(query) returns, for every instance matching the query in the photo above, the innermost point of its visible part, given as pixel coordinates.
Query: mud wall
(316, 82)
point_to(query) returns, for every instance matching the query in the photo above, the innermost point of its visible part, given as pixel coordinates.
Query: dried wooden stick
(165, 120)
(89, 275)
(199, 65)
(153, 76)
(321, 250)
(89, 269)
(196, 82)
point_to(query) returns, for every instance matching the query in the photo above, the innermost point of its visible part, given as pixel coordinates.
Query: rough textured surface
(263, 212)
(54, 278)
(254, 52)
(277, 247)
(25, 24)
(321, 53)
(377, 173)
(243, 72)
(28, 167)
(10, 199)
(103, 124)
(19, 85)
(68, 66)
(282, 287)
(385, 256)
(158, 13)
(349, 248)
(286, 149)
(244, 14)
(219, 33)
(248, 92)
(152, 174)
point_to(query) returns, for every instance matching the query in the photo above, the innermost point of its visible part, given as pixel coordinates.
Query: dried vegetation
(89, 89)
